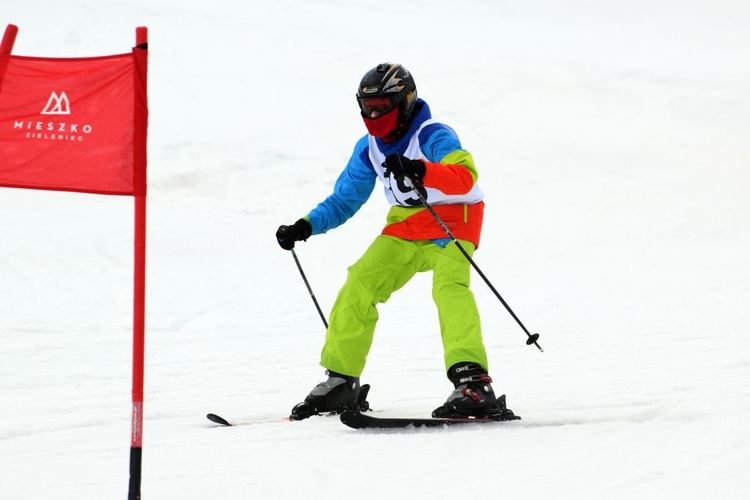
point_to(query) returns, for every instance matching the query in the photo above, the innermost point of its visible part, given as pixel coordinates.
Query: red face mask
(382, 126)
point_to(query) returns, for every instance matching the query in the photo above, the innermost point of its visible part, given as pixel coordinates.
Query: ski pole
(532, 338)
(309, 289)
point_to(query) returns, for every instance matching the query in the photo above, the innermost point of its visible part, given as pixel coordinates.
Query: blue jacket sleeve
(352, 189)
(437, 141)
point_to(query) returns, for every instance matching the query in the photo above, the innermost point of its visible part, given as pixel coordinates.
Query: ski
(357, 420)
(227, 423)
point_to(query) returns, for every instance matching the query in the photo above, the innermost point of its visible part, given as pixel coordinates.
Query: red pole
(139, 299)
(6, 46)
(139, 323)
(9, 39)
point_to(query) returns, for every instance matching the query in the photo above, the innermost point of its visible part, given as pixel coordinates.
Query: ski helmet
(384, 88)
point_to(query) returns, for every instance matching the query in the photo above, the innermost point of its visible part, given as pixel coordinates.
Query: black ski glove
(287, 235)
(400, 165)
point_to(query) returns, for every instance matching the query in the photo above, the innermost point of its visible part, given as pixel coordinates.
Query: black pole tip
(532, 339)
(217, 419)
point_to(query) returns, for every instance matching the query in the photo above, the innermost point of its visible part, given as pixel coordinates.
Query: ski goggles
(380, 105)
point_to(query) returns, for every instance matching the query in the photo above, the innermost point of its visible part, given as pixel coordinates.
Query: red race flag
(74, 124)
(80, 124)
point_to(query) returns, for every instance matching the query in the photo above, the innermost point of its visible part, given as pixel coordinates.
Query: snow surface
(612, 143)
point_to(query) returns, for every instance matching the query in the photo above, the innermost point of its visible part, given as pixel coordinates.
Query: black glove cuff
(305, 229)
(420, 169)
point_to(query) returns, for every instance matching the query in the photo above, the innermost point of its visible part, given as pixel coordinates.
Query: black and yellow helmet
(386, 86)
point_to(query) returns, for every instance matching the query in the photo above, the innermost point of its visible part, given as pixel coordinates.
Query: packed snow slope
(612, 144)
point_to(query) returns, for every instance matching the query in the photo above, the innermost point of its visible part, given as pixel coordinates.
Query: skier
(403, 141)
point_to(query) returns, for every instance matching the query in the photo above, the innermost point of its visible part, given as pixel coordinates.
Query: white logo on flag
(57, 104)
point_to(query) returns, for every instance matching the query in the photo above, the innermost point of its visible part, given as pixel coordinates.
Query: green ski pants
(387, 265)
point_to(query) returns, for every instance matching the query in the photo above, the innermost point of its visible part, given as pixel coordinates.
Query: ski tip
(218, 420)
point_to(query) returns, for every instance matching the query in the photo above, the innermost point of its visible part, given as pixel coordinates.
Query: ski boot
(473, 396)
(334, 395)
